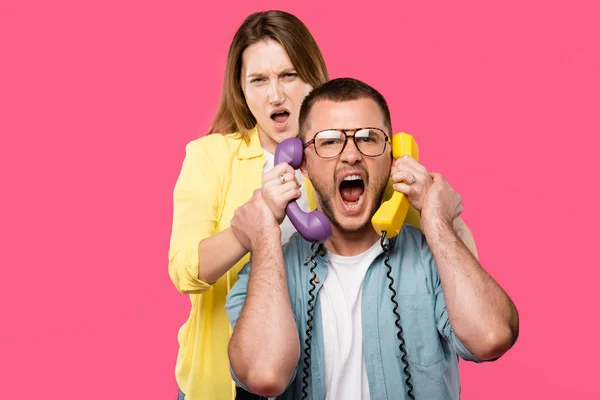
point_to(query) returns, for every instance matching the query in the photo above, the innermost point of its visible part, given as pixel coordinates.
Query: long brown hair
(233, 114)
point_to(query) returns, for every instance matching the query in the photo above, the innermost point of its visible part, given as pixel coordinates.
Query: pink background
(99, 98)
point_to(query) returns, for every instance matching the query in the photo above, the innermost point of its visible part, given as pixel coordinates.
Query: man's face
(350, 186)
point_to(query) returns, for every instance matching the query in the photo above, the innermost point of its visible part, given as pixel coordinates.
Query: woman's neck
(266, 142)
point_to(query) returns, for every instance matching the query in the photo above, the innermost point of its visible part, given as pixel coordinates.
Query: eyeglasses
(330, 143)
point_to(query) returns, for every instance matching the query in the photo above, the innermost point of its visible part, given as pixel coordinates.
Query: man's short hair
(341, 90)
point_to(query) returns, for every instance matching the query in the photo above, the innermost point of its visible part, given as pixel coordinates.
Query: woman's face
(273, 91)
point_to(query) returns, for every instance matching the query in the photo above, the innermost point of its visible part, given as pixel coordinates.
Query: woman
(273, 63)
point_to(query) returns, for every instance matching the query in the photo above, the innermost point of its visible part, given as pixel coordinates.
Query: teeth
(355, 205)
(353, 178)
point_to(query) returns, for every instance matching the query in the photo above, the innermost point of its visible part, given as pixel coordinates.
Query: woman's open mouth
(280, 118)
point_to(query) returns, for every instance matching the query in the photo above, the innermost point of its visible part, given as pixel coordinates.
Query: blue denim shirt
(433, 348)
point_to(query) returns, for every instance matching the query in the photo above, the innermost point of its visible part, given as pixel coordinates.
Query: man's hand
(412, 179)
(279, 187)
(442, 204)
(253, 221)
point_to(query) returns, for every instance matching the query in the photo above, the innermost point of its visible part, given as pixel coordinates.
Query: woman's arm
(199, 255)
(218, 253)
(222, 250)
(197, 203)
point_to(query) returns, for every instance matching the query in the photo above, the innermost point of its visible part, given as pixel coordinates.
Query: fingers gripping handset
(314, 225)
(391, 214)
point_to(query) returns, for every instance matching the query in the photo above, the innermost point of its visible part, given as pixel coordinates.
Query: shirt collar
(252, 148)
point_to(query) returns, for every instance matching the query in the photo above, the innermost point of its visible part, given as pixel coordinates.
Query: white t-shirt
(287, 229)
(341, 299)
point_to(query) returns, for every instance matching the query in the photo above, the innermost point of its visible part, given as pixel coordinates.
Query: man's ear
(303, 168)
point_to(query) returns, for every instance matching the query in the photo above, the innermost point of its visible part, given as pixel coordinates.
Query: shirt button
(322, 253)
(317, 280)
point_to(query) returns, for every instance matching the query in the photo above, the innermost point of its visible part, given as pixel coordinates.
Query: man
(359, 349)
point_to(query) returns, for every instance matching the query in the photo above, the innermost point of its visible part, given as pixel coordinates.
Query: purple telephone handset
(313, 225)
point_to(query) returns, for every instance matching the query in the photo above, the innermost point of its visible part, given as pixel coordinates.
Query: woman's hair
(233, 114)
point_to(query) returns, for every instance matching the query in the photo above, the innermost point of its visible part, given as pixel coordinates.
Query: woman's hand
(279, 187)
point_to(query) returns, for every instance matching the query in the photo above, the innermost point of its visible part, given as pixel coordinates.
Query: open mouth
(280, 117)
(352, 190)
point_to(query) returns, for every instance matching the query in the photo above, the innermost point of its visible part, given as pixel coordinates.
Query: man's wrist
(267, 236)
(459, 226)
(436, 227)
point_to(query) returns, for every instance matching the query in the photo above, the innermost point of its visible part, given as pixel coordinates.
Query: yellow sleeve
(197, 203)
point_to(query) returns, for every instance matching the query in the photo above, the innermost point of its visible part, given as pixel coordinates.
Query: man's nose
(351, 155)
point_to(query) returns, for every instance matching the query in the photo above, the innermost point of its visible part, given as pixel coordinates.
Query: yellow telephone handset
(391, 214)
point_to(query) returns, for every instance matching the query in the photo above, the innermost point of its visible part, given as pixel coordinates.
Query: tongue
(351, 194)
(280, 118)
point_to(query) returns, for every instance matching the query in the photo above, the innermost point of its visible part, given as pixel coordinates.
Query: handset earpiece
(314, 225)
(391, 214)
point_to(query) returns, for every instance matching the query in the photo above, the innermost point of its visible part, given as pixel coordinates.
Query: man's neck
(351, 243)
